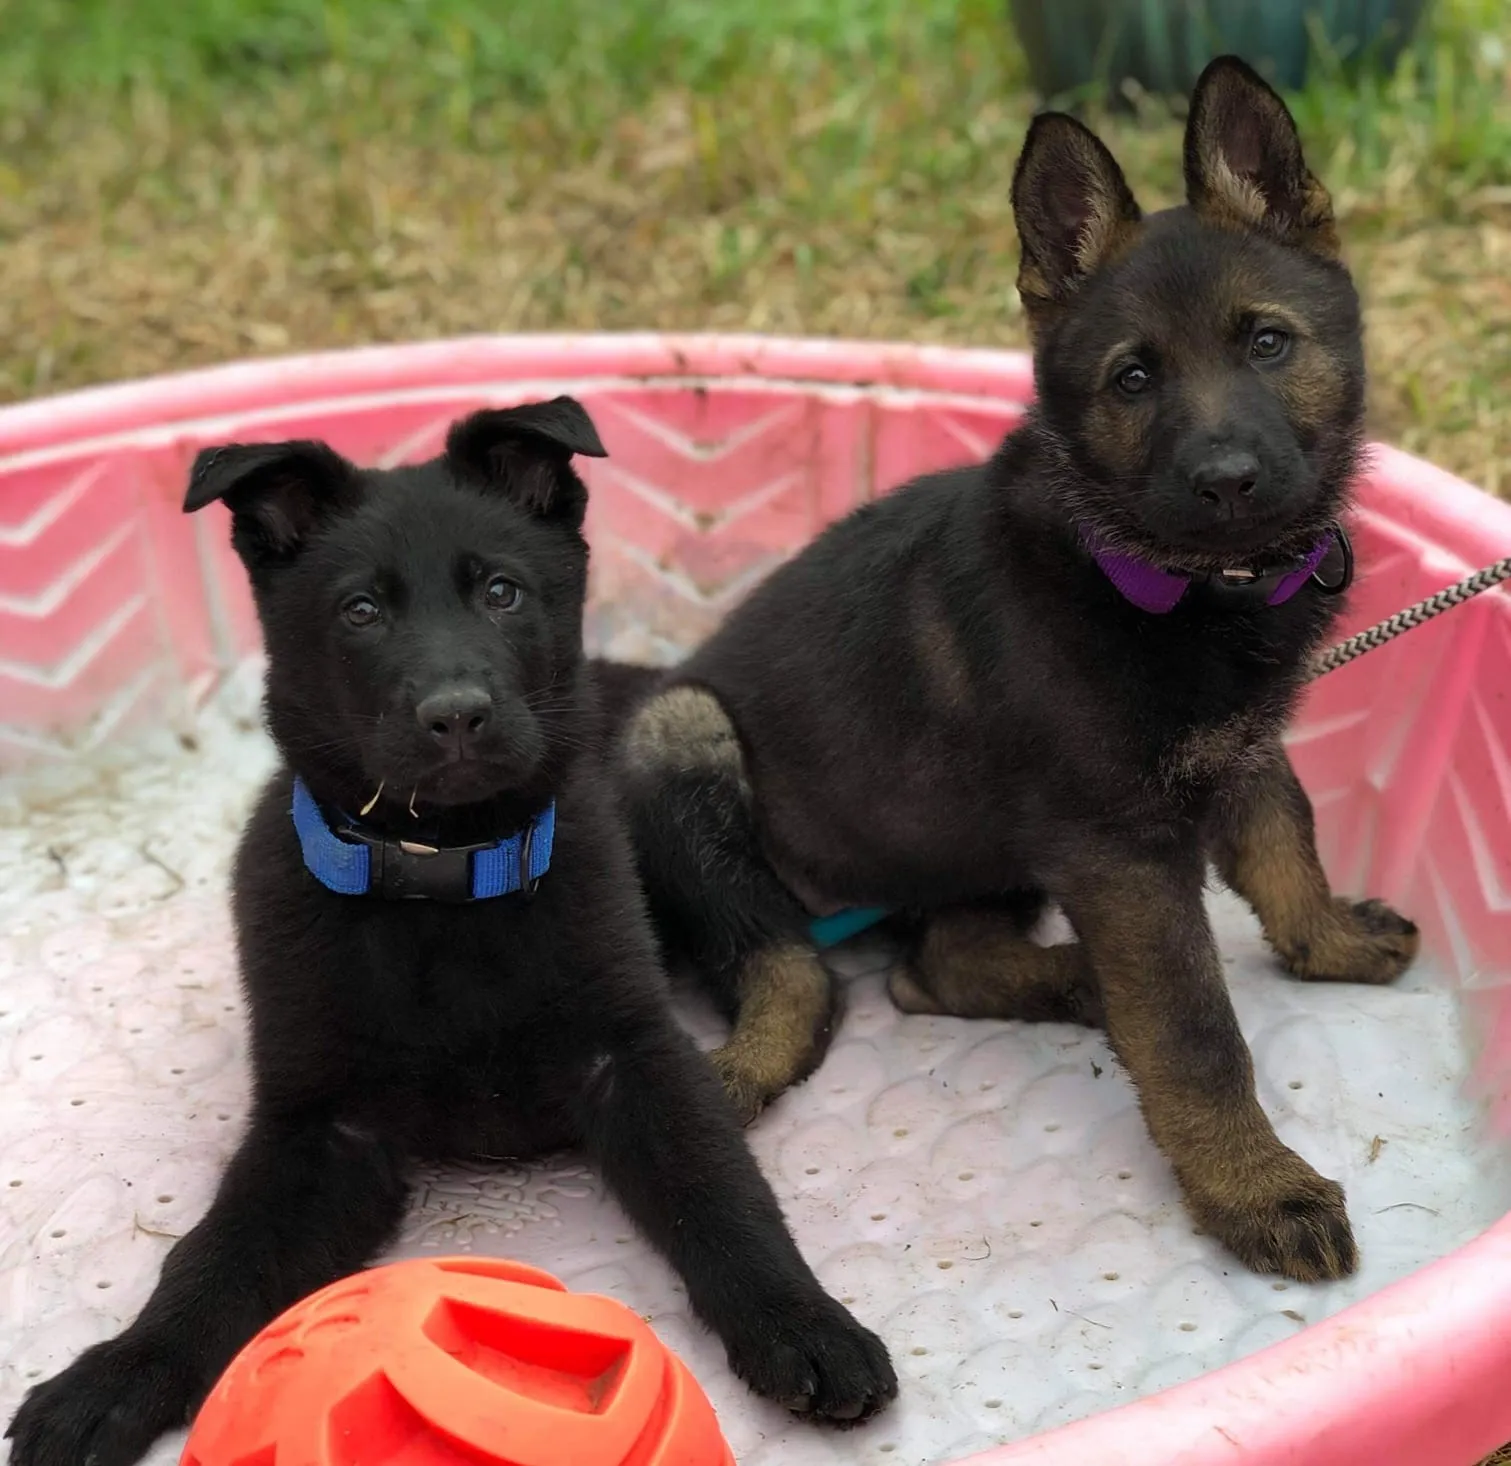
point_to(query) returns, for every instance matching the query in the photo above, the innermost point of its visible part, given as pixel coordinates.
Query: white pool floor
(983, 1194)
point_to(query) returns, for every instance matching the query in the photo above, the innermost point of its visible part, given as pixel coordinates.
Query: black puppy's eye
(1134, 379)
(502, 594)
(362, 611)
(1269, 344)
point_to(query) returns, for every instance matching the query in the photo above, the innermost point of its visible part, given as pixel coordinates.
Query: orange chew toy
(463, 1361)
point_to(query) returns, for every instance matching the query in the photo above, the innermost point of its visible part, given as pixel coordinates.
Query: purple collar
(1330, 563)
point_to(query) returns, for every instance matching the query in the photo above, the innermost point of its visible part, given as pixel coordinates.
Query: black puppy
(1063, 675)
(441, 936)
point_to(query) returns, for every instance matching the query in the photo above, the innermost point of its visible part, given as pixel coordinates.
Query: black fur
(386, 1031)
(943, 702)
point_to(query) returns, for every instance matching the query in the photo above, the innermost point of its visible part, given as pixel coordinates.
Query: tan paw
(1296, 1226)
(908, 995)
(1365, 942)
(748, 1092)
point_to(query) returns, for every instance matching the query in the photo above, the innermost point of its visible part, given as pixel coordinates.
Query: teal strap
(830, 931)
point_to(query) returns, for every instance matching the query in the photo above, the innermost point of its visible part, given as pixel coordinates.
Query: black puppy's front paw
(105, 1409)
(817, 1361)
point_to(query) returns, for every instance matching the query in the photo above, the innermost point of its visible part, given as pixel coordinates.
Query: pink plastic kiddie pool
(984, 1194)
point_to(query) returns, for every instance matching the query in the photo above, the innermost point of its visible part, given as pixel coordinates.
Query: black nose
(455, 716)
(1226, 481)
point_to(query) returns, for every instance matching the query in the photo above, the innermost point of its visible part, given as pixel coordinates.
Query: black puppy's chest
(443, 983)
(447, 1033)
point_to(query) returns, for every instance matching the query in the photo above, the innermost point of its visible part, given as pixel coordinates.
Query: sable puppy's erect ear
(1073, 209)
(276, 492)
(1243, 162)
(525, 452)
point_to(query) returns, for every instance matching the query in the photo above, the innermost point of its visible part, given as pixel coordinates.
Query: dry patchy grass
(143, 252)
(182, 186)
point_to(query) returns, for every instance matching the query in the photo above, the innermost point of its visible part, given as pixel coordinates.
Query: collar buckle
(407, 870)
(1237, 587)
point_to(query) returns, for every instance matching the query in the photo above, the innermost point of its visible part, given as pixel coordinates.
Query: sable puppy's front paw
(1295, 1224)
(1363, 942)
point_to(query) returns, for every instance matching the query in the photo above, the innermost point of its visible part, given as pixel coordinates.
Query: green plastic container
(1083, 46)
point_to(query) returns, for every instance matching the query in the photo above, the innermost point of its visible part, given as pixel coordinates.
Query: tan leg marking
(974, 963)
(1266, 850)
(787, 1013)
(1172, 1025)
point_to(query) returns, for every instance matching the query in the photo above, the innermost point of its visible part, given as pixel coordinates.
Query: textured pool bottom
(984, 1194)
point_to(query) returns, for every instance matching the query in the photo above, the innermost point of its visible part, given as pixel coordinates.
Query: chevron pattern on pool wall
(114, 607)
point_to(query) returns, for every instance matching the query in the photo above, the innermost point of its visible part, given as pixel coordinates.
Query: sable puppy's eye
(502, 594)
(362, 611)
(1134, 379)
(1269, 344)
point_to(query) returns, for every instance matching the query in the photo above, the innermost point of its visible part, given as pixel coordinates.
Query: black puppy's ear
(1073, 209)
(276, 492)
(1243, 162)
(525, 452)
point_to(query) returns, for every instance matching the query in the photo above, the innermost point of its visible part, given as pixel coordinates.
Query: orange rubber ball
(462, 1361)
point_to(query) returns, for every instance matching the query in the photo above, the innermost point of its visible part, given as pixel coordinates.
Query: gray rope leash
(1412, 617)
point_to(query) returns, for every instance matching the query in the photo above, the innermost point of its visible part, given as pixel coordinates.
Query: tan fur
(1207, 396)
(1232, 201)
(1223, 751)
(787, 1001)
(974, 963)
(1105, 237)
(684, 728)
(1267, 852)
(787, 1010)
(1115, 435)
(1172, 1025)
(1311, 385)
(938, 653)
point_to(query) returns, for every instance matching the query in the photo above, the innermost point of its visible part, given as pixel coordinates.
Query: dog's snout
(455, 716)
(1226, 482)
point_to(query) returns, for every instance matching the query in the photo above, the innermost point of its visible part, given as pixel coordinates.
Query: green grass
(848, 75)
(462, 62)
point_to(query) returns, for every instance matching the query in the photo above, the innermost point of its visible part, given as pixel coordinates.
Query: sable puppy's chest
(1208, 754)
(1194, 713)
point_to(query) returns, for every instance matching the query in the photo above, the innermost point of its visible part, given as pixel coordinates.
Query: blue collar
(354, 862)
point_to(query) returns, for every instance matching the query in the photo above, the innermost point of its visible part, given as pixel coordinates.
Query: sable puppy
(1062, 676)
(442, 940)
